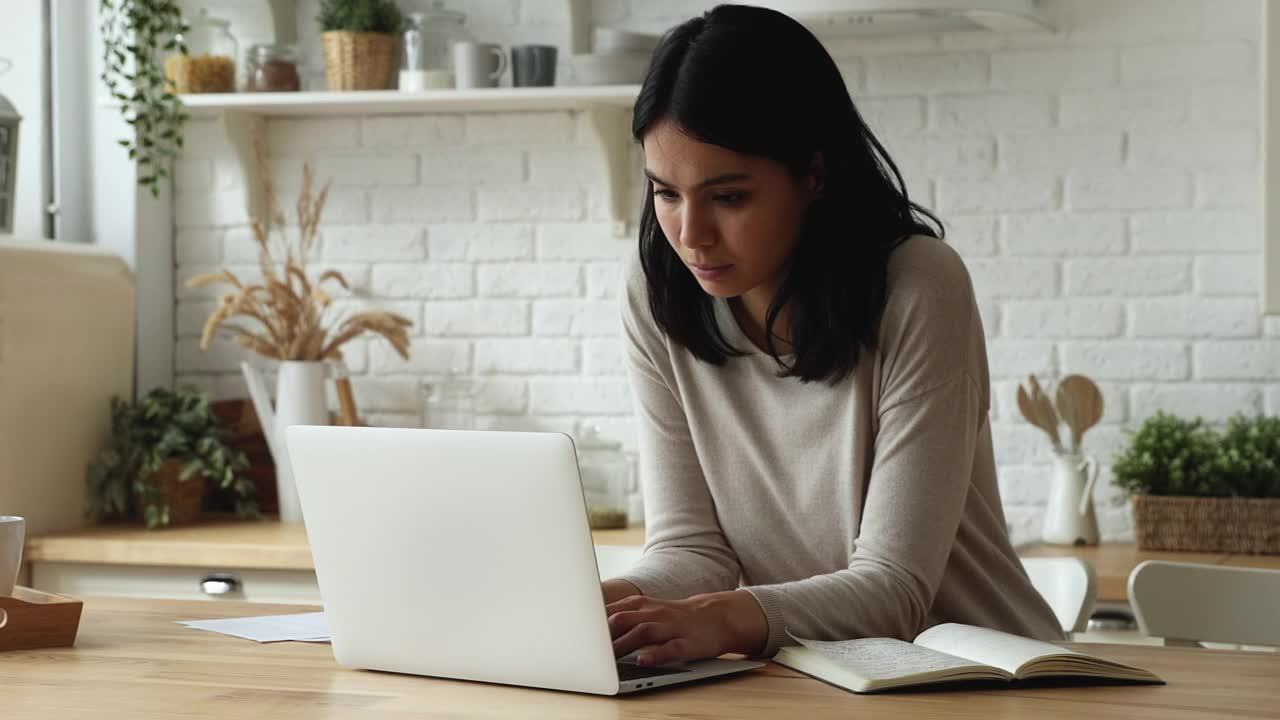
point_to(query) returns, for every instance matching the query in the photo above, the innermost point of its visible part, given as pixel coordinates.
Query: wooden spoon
(1081, 405)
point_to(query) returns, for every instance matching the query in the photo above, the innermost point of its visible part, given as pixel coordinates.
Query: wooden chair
(1187, 604)
(1069, 585)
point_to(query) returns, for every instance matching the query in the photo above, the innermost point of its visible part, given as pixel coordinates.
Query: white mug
(12, 531)
(478, 65)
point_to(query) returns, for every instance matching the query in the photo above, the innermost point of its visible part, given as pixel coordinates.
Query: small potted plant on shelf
(1195, 488)
(165, 450)
(358, 38)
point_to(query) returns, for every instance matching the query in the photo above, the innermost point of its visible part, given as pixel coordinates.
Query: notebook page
(987, 646)
(884, 658)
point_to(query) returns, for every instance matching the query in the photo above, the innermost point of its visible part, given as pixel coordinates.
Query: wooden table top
(264, 545)
(132, 660)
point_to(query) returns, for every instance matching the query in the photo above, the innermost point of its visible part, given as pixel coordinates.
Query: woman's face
(732, 218)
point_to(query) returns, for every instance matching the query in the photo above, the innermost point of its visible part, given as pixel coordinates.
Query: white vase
(1069, 518)
(300, 400)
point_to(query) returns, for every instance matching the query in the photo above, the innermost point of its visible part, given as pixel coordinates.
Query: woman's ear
(817, 176)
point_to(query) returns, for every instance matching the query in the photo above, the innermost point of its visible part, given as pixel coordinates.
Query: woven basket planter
(185, 498)
(1232, 525)
(358, 60)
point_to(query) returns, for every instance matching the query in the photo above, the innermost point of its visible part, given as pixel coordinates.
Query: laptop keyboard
(628, 671)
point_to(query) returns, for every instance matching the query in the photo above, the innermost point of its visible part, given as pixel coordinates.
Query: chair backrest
(1186, 603)
(1069, 585)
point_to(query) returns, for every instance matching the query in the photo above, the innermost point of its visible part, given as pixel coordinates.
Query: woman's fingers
(658, 631)
(620, 622)
(629, 603)
(647, 633)
(673, 650)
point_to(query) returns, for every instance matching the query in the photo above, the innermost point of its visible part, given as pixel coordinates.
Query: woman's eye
(665, 194)
(730, 198)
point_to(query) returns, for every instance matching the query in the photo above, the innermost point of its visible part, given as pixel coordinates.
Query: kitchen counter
(260, 545)
(1114, 561)
(273, 546)
(215, 561)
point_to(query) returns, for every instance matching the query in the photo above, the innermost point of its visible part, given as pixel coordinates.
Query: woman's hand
(703, 626)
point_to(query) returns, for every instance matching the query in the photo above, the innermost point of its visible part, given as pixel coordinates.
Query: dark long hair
(756, 82)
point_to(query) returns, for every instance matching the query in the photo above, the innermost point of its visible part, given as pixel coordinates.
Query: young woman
(809, 371)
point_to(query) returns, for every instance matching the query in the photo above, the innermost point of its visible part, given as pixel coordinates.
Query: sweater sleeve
(932, 413)
(685, 549)
(913, 507)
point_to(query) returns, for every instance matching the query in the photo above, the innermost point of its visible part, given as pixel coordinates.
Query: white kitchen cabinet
(297, 587)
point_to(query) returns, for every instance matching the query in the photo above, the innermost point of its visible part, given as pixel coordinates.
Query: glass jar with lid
(272, 68)
(606, 478)
(209, 66)
(449, 403)
(426, 56)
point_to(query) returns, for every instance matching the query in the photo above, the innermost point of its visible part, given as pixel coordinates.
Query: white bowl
(612, 41)
(610, 69)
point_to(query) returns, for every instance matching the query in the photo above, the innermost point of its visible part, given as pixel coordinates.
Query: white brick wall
(1101, 183)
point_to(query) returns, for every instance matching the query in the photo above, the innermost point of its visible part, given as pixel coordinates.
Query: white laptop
(463, 554)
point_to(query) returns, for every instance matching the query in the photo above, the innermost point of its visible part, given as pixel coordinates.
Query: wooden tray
(38, 620)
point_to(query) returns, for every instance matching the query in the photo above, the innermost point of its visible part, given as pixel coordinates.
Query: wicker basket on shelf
(1207, 524)
(358, 60)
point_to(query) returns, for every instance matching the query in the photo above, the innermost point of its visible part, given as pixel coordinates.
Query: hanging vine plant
(135, 33)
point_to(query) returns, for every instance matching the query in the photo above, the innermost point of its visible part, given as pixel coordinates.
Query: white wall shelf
(242, 115)
(394, 102)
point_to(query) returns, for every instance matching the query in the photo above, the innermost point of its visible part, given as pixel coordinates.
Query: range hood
(876, 17)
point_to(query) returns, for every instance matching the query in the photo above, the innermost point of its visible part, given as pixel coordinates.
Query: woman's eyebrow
(717, 180)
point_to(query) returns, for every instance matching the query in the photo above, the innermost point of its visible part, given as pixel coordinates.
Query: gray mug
(533, 65)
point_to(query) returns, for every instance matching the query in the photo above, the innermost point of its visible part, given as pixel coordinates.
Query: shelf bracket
(240, 129)
(612, 127)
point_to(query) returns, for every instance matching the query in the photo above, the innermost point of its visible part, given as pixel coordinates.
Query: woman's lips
(709, 272)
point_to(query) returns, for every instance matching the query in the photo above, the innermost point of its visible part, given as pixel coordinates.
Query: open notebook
(946, 653)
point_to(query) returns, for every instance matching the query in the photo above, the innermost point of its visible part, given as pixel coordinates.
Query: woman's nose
(695, 230)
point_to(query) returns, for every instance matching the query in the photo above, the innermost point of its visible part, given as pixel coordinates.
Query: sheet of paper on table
(303, 627)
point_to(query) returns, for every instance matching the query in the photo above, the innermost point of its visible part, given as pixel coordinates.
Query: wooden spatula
(1081, 405)
(1047, 416)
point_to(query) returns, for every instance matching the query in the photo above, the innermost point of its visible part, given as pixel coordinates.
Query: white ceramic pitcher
(300, 400)
(1069, 518)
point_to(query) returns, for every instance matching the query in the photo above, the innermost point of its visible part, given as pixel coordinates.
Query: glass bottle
(606, 476)
(413, 71)
(272, 68)
(210, 63)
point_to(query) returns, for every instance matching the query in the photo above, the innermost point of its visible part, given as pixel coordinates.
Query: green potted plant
(164, 451)
(1195, 488)
(134, 34)
(358, 38)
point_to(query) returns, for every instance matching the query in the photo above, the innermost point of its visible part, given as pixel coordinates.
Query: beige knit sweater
(861, 510)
